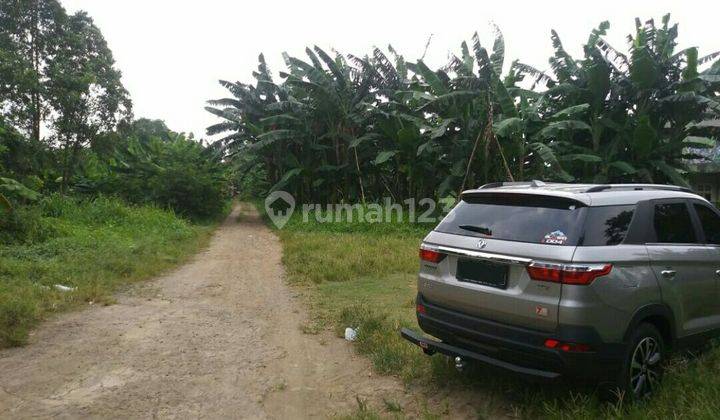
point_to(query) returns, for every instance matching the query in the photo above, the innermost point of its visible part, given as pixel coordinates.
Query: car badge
(481, 244)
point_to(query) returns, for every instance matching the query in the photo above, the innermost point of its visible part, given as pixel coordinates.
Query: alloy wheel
(645, 367)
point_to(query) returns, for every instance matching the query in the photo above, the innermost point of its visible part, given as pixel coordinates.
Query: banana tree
(637, 113)
(353, 128)
(12, 188)
(334, 94)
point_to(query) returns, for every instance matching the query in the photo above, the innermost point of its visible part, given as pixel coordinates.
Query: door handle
(670, 274)
(717, 272)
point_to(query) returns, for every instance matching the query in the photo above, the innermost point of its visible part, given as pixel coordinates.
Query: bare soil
(218, 337)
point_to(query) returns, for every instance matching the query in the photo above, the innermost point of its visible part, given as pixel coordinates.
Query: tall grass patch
(91, 247)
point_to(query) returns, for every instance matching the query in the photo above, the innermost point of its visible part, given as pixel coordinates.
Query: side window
(607, 225)
(710, 222)
(672, 224)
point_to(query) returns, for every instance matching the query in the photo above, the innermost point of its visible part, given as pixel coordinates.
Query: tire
(643, 368)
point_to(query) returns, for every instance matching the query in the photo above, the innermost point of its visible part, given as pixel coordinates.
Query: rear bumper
(431, 347)
(516, 349)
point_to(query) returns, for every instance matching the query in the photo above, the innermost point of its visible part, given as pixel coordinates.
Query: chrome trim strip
(510, 259)
(582, 267)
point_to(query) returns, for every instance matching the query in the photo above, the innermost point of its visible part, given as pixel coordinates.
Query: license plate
(482, 272)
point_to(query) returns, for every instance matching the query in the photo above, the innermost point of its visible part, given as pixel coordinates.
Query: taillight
(431, 255)
(551, 343)
(567, 273)
(420, 308)
(544, 272)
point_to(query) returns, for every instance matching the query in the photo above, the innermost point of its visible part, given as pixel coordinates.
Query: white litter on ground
(350, 334)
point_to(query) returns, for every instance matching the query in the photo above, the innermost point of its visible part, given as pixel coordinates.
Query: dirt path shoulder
(218, 337)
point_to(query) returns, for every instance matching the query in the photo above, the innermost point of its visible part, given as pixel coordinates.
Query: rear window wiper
(478, 229)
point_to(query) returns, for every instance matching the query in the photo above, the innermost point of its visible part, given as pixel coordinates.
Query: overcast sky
(172, 52)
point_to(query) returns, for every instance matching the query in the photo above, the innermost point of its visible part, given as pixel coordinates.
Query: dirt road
(218, 337)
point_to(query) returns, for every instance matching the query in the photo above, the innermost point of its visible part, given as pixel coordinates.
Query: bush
(192, 191)
(56, 205)
(23, 225)
(179, 174)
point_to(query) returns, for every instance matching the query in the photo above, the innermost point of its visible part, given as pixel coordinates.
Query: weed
(362, 412)
(16, 315)
(392, 406)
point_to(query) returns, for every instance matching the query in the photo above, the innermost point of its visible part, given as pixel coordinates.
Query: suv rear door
(682, 264)
(488, 240)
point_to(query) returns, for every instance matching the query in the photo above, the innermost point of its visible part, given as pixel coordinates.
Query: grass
(363, 275)
(94, 247)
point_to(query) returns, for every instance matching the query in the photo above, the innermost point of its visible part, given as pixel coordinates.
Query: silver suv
(590, 281)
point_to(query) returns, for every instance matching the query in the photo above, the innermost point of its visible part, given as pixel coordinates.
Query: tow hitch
(460, 364)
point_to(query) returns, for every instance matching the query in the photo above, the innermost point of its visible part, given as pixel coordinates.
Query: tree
(85, 89)
(30, 33)
(144, 129)
(637, 114)
(348, 128)
(300, 130)
(57, 72)
(169, 170)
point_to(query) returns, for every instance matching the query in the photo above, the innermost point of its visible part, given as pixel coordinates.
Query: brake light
(567, 274)
(420, 308)
(430, 255)
(566, 347)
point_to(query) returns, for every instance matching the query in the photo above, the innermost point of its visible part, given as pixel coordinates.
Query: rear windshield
(538, 219)
(516, 217)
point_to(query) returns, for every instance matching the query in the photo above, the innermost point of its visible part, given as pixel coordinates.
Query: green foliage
(30, 33)
(89, 96)
(92, 245)
(23, 225)
(360, 128)
(642, 107)
(56, 72)
(5, 203)
(355, 130)
(21, 157)
(143, 162)
(12, 188)
(12, 191)
(176, 173)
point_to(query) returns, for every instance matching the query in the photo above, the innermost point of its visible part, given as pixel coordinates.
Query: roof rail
(534, 184)
(638, 187)
(491, 185)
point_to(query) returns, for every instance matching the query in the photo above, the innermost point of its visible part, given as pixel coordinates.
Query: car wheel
(643, 367)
